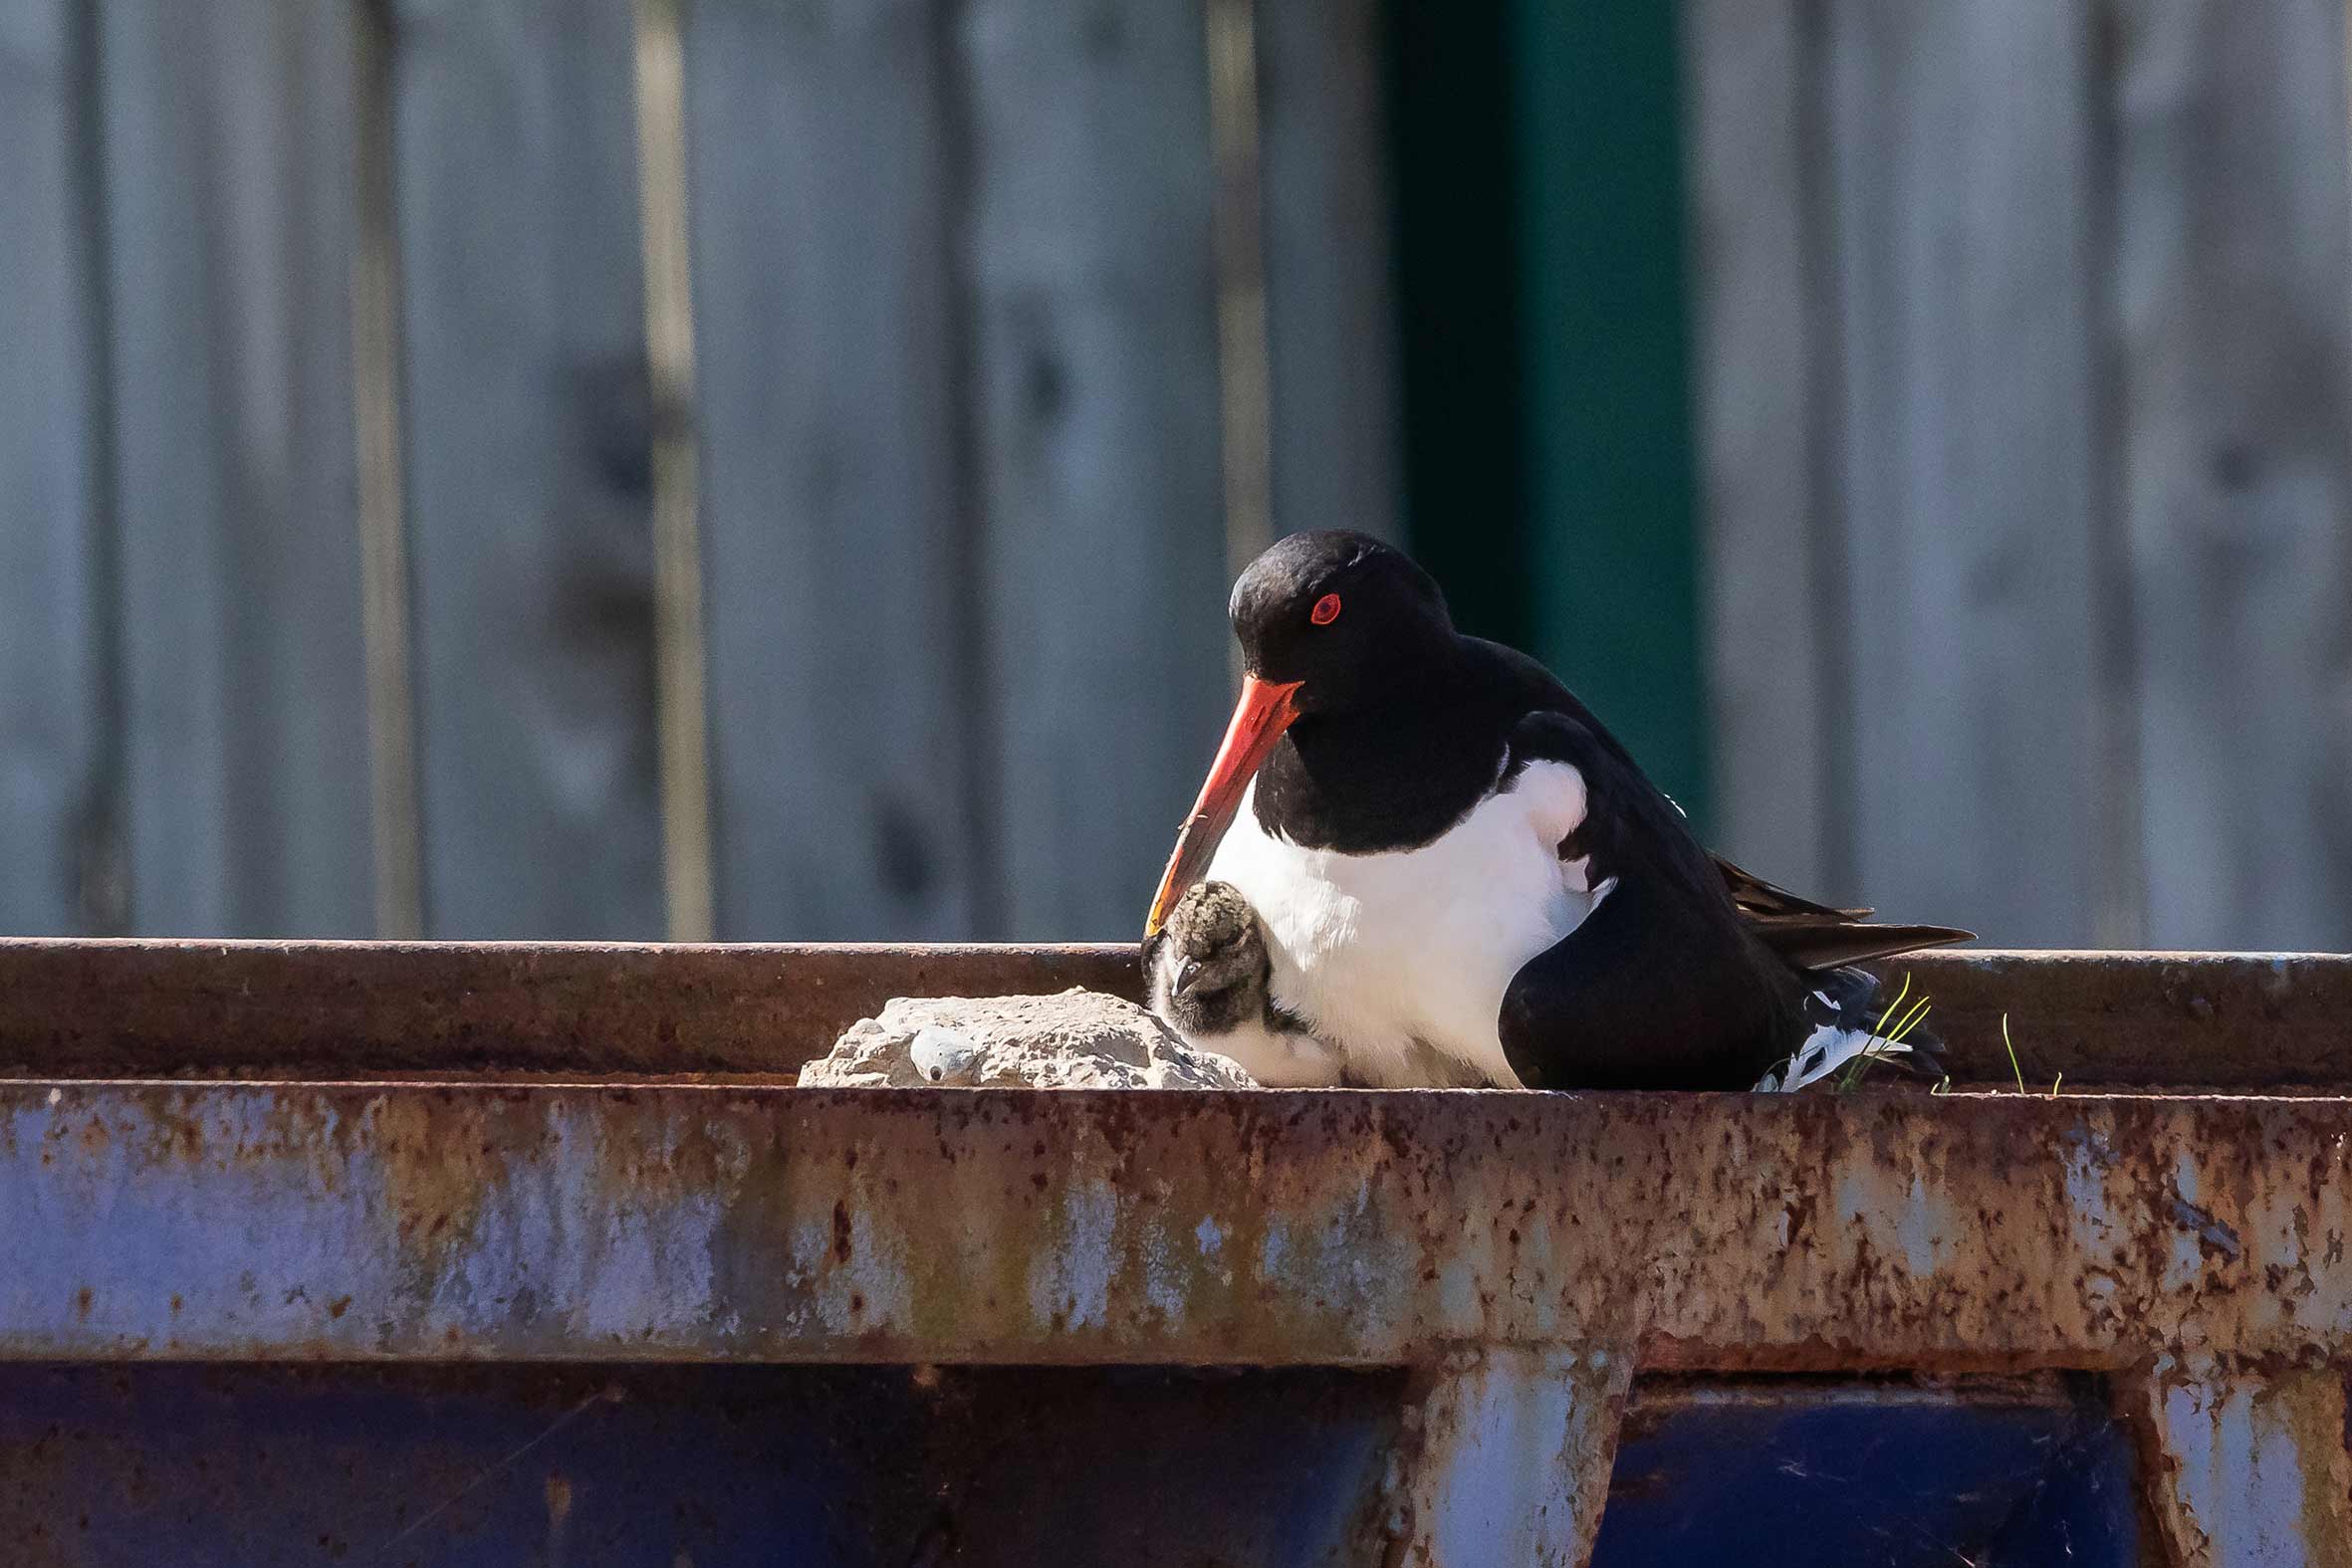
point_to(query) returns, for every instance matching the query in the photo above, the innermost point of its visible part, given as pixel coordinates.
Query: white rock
(1080, 1039)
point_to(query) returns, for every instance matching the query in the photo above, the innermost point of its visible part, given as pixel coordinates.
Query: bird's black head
(1209, 967)
(1338, 616)
(1329, 623)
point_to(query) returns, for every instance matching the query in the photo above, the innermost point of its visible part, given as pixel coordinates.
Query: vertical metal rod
(1244, 366)
(1829, 539)
(103, 853)
(395, 815)
(679, 629)
(2119, 861)
(966, 553)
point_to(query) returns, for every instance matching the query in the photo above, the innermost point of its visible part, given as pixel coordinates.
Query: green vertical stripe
(1450, 129)
(1611, 515)
(1549, 467)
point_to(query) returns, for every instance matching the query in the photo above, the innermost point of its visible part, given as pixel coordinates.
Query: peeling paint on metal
(1069, 1282)
(2248, 1470)
(437, 1222)
(1506, 1461)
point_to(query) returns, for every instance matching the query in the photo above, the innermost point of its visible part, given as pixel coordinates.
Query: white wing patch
(1418, 945)
(1824, 1052)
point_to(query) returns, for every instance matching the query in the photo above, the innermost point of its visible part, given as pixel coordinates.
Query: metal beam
(683, 1222)
(357, 1009)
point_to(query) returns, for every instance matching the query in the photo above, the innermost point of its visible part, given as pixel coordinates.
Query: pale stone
(1080, 1039)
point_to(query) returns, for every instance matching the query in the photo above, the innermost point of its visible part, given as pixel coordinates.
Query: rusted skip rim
(346, 1010)
(429, 1222)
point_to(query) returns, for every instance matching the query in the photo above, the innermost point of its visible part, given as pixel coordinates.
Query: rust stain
(1972, 1232)
(437, 1153)
(2244, 1463)
(352, 1010)
(1502, 1456)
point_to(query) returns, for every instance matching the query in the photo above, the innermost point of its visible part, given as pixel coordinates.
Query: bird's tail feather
(1833, 944)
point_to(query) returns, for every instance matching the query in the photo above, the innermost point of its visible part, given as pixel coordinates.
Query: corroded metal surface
(342, 1009)
(1521, 1253)
(2212, 1021)
(1504, 1460)
(430, 1222)
(117, 1009)
(2247, 1468)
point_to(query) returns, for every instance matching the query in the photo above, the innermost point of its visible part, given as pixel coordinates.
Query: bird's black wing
(1630, 826)
(1817, 936)
(1691, 974)
(1761, 900)
(1661, 986)
(1805, 933)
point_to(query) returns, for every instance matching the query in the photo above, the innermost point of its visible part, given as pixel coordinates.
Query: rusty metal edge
(1699, 1233)
(339, 1009)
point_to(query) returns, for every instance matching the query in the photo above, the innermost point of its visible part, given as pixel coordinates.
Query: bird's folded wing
(1834, 943)
(1761, 900)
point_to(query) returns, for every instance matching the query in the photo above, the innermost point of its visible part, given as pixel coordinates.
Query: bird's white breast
(1275, 1058)
(1380, 951)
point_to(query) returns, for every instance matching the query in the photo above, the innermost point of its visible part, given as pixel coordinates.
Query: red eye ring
(1326, 611)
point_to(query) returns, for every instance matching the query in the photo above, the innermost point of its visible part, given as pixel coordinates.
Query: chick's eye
(1326, 611)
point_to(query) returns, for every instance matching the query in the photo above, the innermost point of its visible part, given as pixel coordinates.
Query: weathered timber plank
(1764, 352)
(1968, 459)
(834, 515)
(529, 433)
(54, 790)
(1336, 434)
(2235, 265)
(1090, 259)
(228, 176)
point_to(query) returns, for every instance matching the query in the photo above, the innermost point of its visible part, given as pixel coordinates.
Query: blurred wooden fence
(355, 383)
(2028, 457)
(426, 511)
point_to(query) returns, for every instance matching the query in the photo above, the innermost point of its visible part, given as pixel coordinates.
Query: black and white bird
(1453, 862)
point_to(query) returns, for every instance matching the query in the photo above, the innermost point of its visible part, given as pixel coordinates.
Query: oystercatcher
(1454, 861)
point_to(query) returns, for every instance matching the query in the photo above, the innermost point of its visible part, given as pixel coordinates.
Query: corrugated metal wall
(360, 395)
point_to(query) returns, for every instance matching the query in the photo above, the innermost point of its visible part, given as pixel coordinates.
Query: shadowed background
(772, 470)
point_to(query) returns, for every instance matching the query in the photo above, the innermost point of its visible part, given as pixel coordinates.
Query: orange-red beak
(1266, 710)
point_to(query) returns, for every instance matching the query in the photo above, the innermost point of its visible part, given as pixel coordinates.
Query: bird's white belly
(1276, 1059)
(1380, 951)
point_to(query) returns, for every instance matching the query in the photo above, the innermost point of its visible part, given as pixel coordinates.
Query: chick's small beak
(1187, 972)
(1266, 710)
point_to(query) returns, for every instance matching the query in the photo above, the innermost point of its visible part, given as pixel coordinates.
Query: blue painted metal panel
(887, 1467)
(200, 1467)
(1861, 1477)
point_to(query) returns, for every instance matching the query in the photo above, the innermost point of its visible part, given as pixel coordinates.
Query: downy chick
(1210, 974)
